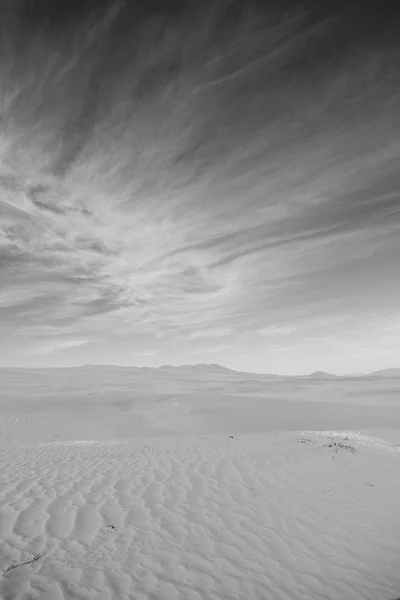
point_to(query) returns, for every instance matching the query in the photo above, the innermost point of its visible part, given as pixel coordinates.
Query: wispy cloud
(216, 332)
(57, 346)
(276, 330)
(194, 197)
(211, 349)
(145, 353)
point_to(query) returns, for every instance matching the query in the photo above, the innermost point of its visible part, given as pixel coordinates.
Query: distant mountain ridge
(204, 367)
(320, 375)
(215, 368)
(199, 367)
(390, 372)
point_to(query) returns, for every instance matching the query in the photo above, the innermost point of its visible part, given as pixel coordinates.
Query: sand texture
(293, 514)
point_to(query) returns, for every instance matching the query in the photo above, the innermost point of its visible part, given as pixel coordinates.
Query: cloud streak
(276, 330)
(197, 186)
(58, 346)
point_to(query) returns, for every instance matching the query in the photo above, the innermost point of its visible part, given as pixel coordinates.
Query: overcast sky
(187, 187)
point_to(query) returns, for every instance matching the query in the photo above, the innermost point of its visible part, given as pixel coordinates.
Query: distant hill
(320, 375)
(198, 367)
(391, 372)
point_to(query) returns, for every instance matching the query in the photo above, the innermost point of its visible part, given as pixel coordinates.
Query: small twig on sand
(27, 562)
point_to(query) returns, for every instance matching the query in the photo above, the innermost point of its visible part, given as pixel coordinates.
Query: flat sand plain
(197, 484)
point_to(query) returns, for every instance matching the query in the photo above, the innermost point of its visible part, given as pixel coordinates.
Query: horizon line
(320, 373)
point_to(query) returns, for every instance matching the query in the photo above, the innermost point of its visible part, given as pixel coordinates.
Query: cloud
(58, 346)
(210, 333)
(275, 330)
(211, 349)
(145, 353)
(196, 198)
(15, 296)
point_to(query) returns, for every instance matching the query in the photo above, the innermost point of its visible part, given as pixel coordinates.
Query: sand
(91, 508)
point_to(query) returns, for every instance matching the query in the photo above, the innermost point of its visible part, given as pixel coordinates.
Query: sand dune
(159, 495)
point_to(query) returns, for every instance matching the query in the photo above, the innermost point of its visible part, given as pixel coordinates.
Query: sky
(191, 184)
